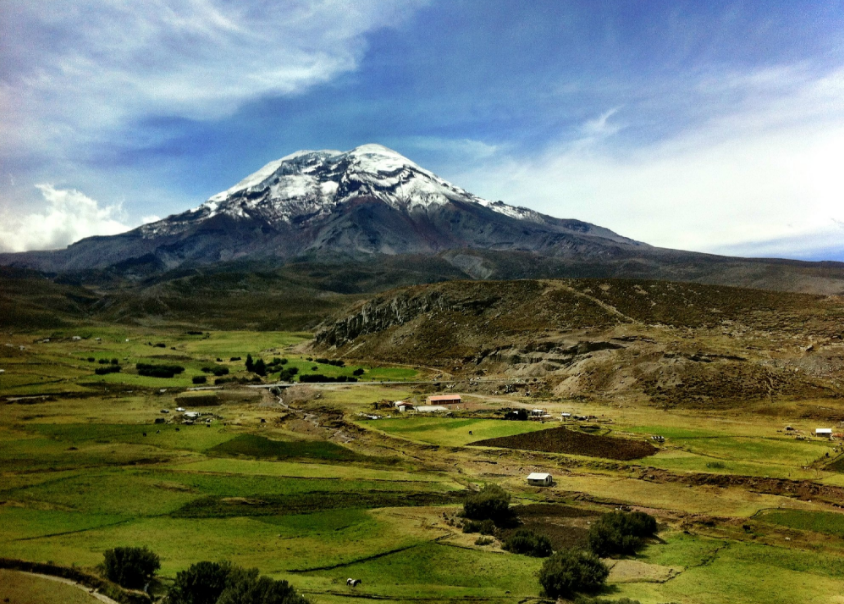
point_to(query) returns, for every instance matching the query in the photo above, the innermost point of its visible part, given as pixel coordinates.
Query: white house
(540, 479)
(825, 432)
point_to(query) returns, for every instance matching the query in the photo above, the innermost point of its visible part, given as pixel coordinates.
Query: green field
(314, 494)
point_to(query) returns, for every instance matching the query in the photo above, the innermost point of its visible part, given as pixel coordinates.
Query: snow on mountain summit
(312, 182)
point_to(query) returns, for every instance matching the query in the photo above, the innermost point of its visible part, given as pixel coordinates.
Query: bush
(260, 367)
(484, 541)
(199, 379)
(165, 371)
(252, 589)
(484, 527)
(130, 566)
(620, 533)
(224, 583)
(103, 361)
(318, 377)
(358, 372)
(202, 583)
(91, 359)
(219, 371)
(250, 364)
(583, 600)
(528, 543)
(491, 502)
(235, 359)
(570, 571)
(286, 375)
(107, 369)
(115, 362)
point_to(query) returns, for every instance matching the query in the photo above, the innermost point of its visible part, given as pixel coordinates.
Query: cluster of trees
(286, 375)
(202, 583)
(225, 583)
(164, 371)
(565, 572)
(259, 366)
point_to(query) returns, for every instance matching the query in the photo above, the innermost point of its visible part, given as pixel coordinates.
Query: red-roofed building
(444, 399)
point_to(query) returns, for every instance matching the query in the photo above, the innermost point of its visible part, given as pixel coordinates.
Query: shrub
(620, 533)
(286, 375)
(115, 362)
(252, 589)
(202, 583)
(358, 372)
(103, 361)
(584, 600)
(234, 359)
(107, 369)
(130, 566)
(484, 541)
(528, 543)
(260, 367)
(484, 527)
(220, 370)
(165, 371)
(199, 379)
(224, 583)
(491, 502)
(570, 571)
(250, 364)
(318, 377)
(91, 359)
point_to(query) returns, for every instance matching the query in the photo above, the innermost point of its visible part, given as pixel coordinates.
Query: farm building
(540, 479)
(432, 409)
(444, 399)
(825, 432)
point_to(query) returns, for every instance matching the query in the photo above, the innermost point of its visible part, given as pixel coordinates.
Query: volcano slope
(664, 343)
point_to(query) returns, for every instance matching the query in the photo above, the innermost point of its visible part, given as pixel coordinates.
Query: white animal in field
(353, 582)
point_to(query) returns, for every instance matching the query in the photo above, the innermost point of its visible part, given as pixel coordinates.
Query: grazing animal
(353, 582)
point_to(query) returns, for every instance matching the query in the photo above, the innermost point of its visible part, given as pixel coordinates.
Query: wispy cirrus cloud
(69, 70)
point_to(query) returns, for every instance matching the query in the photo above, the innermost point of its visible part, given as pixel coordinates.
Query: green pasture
(828, 523)
(449, 431)
(22, 588)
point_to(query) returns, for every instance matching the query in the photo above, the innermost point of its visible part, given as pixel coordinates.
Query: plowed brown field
(562, 440)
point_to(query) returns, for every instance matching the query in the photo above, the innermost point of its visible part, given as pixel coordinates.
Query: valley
(318, 482)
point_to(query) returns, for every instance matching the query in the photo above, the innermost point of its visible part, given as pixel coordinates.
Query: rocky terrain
(668, 343)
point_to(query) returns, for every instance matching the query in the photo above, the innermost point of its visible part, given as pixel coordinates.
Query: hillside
(667, 343)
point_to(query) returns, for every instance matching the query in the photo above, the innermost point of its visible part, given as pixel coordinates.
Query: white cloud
(150, 218)
(71, 69)
(762, 178)
(70, 216)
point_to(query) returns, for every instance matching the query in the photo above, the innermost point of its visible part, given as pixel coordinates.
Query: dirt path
(88, 590)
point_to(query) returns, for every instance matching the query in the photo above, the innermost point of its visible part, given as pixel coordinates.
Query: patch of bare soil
(565, 526)
(563, 440)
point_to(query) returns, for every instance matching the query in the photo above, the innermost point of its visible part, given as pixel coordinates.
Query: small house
(537, 412)
(540, 479)
(565, 415)
(824, 432)
(444, 399)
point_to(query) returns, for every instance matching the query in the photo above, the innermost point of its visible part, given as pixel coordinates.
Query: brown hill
(671, 343)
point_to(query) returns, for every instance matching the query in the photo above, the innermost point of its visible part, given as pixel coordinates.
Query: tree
(250, 365)
(225, 583)
(358, 372)
(202, 583)
(252, 589)
(199, 379)
(490, 502)
(527, 542)
(260, 367)
(620, 533)
(130, 566)
(570, 571)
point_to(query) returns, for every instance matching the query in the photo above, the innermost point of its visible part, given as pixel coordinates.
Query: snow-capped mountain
(370, 200)
(309, 186)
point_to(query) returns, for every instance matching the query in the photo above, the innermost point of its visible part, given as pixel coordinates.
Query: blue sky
(711, 126)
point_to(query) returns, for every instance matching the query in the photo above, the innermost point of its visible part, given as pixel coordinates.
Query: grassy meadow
(307, 490)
